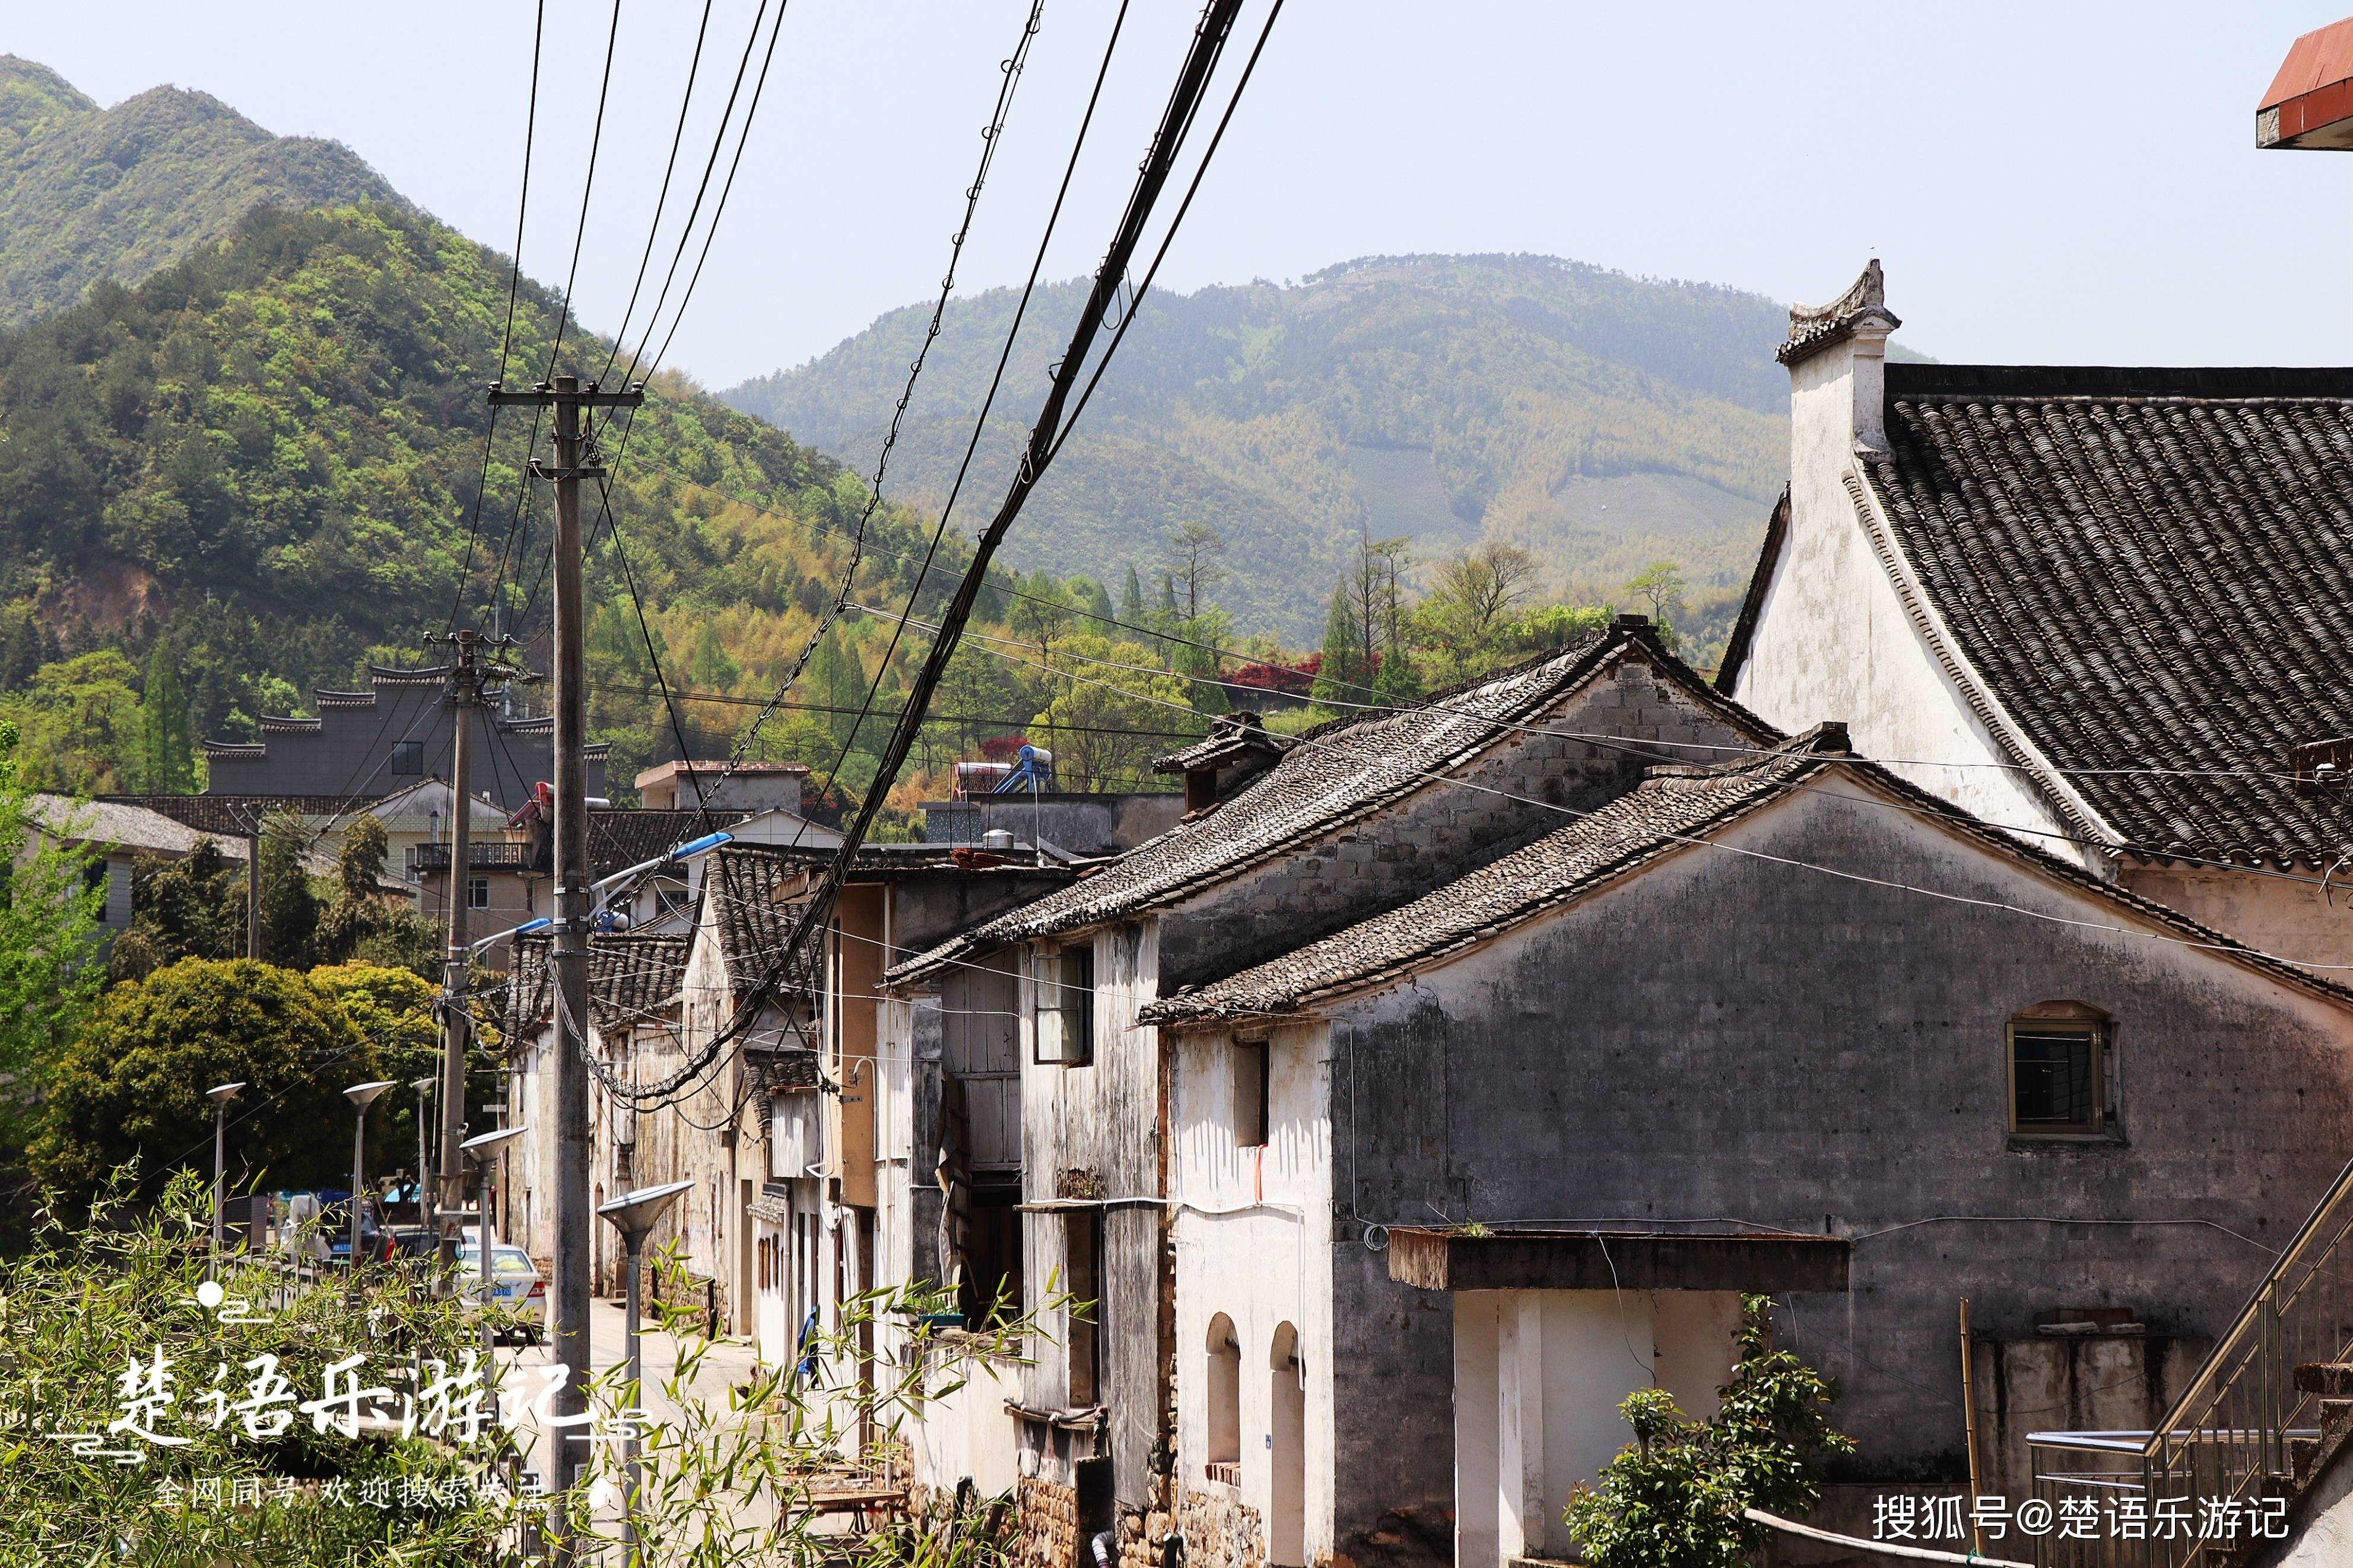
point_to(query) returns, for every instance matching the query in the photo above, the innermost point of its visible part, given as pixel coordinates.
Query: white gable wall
(1833, 638)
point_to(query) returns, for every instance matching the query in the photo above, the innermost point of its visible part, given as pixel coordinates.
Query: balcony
(433, 860)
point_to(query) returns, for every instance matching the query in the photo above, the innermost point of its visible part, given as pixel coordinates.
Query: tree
(1466, 610)
(168, 755)
(190, 908)
(1130, 598)
(1674, 1500)
(81, 724)
(708, 668)
(1345, 679)
(49, 905)
(133, 1083)
(1099, 746)
(1662, 585)
(365, 923)
(1092, 597)
(1192, 552)
(289, 909)
(837, 681)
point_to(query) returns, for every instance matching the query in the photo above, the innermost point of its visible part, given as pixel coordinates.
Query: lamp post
(479, 1151)
(362, 1095)
(635, 1215)
(220, 1095)
(424, 1088)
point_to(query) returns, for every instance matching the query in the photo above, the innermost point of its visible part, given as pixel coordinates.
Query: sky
(2044, 183)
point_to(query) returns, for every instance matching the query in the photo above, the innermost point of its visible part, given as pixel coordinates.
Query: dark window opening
(408, 757)
(1251, 1066)
(2058, 1071)
(478, 892)
(992, 1282)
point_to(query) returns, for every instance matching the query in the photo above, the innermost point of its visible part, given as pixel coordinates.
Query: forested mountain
(1602, 421)
(122, 193)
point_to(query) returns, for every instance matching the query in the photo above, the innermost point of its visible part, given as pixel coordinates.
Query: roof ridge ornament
(1813, 328)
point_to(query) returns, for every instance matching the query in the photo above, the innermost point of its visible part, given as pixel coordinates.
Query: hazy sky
(2064, 182)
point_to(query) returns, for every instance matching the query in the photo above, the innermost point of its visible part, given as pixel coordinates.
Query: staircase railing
(2215, 1474)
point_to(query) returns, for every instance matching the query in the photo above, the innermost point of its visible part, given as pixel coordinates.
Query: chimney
(1838, 386)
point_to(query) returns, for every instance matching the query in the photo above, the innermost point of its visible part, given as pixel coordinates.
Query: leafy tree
(133, 1081)
(1660, 584)
(1096, 749)
(1466, 613)
(289, 909)
(1130, 598)
(190, 908)
(708, 668)
(836, 680)
(1345, 676)
(1043, 613)
(81, 724)
(1674, 1500)
(49, 906)
(168, 756)
(1091, 596)
(364, 922)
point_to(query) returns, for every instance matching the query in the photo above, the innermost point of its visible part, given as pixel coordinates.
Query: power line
(997, 720)
(1365, 762)
(990, 135)
(588, 189)
(506, 335)
(653, 229)
(1192, 83)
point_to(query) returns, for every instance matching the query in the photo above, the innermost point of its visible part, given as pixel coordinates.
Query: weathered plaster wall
(1728, 1038)
(1412, 845)
(1833, 640)
(1254, 1243)
(2294, 917)
(1091, 1137)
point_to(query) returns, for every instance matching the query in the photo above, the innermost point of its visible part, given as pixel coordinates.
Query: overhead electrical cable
(506, 335)
(1193, 82)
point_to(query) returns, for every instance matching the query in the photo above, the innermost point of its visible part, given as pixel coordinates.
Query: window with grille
(2059, 1070)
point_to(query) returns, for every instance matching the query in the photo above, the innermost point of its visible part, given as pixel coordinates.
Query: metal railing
(2219, 1470)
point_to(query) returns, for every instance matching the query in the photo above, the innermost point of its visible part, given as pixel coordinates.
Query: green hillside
(122, 193)
(1602, 421)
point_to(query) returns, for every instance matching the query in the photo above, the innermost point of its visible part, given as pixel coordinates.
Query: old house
(2105, 608)
(1283, 841)
(1785, 997)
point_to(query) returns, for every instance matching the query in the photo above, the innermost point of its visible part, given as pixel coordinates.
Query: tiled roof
(233, 815)
(632, 979)
(2153, 572)
(1671, 810)
(1347, 768)
(127, 824)
(1232, 738)
(621, 838)
(756, 888)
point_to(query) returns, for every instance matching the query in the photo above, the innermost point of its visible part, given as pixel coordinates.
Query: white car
(515, 1283)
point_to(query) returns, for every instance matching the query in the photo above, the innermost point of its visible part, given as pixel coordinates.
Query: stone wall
(1047, 1535)
(1221, 1531)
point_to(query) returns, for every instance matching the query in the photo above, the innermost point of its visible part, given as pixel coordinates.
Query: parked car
(515, 1284)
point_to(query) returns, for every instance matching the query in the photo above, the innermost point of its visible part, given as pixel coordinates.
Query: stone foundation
(1221, 1531)
(1047, 1535)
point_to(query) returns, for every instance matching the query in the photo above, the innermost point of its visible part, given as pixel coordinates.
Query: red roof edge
(2322, 57)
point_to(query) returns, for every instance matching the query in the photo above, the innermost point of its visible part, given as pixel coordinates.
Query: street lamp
(362, 1095)
(635, 1215)
(424, 1088)
(479, 1149)
(220, 1095)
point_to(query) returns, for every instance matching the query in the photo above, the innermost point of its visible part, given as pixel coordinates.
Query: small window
(1063, 1005)
(2059, 1070)
(478, 892)
(408, 757)
(1251, 1094)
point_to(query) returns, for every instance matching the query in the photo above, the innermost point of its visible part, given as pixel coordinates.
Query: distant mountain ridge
(1602, 420)
(122, 193)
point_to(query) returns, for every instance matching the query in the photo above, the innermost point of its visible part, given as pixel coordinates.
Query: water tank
(998, 838)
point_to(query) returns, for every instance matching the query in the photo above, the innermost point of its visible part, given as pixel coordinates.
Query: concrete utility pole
(568, 955)
(464, 696)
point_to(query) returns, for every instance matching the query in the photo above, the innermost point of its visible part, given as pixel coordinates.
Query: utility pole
(568, 951)
(465, 698)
